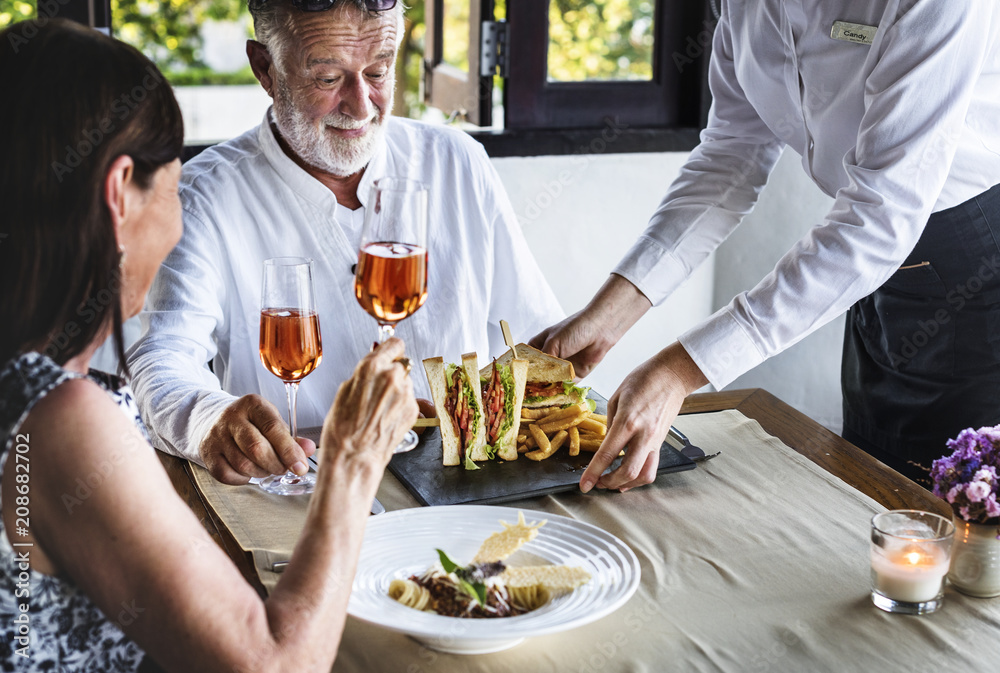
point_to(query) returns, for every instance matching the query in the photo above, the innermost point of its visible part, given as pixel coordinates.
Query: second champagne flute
(290, 345)
(391, 278)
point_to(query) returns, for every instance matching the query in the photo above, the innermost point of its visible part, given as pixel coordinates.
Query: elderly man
(298, 185)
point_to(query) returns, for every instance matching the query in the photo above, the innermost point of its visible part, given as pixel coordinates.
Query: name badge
(853, 32)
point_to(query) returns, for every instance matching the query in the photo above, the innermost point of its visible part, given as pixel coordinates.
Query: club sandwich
(456, 393)
(549, 381)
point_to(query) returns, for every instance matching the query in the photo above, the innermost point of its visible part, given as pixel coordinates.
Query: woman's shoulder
(24, 381)
(36, 391)
(75, 403)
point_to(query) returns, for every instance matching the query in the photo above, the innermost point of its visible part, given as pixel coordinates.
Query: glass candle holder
(910, 556)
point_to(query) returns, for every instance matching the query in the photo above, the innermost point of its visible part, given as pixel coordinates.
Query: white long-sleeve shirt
(893, 131)
(245, 201)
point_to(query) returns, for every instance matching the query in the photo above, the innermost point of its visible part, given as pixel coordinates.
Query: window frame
(461, 92)
(686, 100)
(665, 113)
(532, 102)
(93, 13)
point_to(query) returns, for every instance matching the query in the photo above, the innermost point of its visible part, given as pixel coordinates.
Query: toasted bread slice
(507, 442)
(476, 446)
(542, 367)
(435, 369)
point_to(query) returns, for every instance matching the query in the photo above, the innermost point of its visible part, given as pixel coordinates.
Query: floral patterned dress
(61, 629)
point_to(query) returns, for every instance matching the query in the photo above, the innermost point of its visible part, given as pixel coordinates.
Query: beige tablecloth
(755, 561)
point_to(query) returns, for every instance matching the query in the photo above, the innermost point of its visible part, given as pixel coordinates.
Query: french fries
(597, 427)
(552, 446)
(543, 431)
(540, 438)
(574, 441)
(530, 415)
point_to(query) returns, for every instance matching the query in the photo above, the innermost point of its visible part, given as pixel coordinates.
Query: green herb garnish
(475, 590)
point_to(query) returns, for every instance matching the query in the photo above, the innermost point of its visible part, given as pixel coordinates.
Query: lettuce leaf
(469, 464)
(572, 389)
(475, 413)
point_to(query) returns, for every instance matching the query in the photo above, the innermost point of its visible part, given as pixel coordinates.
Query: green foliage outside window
(608, 40)
(169, 32)
(12, 11)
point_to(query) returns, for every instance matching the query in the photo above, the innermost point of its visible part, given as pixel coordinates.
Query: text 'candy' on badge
(853, 32)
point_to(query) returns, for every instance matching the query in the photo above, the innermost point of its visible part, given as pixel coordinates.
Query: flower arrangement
(968, 479)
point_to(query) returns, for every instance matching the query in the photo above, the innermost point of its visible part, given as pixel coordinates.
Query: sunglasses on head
(323, 5)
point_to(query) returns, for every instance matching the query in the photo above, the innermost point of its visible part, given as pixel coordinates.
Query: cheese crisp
(557, 579)
(499, 546)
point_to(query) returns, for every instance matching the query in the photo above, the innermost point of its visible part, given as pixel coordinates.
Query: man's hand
(250, 439)
(585, 337)
(426, 410)
(639, 417)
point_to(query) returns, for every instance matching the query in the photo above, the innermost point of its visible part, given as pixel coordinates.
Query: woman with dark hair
(90, 137)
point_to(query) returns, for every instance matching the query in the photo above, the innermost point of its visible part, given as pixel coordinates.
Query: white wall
(213, 114)
(580, 214)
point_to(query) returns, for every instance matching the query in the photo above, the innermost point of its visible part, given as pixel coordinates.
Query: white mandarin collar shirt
(245, 201)
(892, 130)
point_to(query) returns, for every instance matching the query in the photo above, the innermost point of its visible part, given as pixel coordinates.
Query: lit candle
(911, 574)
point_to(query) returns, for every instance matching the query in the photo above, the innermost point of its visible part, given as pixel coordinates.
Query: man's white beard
(321, 149)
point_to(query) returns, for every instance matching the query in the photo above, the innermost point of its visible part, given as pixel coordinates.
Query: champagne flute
(290, 345)
(391, 278)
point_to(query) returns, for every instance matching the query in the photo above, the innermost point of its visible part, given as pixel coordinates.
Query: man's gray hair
(271, 26)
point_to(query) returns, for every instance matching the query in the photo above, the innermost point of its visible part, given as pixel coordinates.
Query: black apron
(922, 353)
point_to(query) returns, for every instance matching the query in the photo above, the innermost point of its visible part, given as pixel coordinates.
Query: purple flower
(991, 434)
(968, 478)
(992, 506)
(977, 491)
(987, 474)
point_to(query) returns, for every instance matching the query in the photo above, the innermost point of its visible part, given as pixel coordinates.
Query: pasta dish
(487, 587)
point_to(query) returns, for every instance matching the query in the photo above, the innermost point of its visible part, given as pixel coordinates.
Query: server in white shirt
(298, 185)
(894, 107)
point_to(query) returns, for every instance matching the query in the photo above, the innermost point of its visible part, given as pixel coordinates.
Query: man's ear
(261, 64)
(118, 193)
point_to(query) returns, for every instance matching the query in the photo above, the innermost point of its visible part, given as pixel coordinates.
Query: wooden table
(830, 451)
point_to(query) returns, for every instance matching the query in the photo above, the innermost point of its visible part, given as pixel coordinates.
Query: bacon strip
(458, 409)
(493, 400)
(543, 389)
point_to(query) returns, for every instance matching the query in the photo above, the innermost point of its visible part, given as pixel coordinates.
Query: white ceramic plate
(402, 543)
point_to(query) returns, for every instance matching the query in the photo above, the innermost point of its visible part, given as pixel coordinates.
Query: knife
(688, 449)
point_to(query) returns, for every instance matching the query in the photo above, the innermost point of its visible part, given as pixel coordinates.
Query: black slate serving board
(421, 472)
